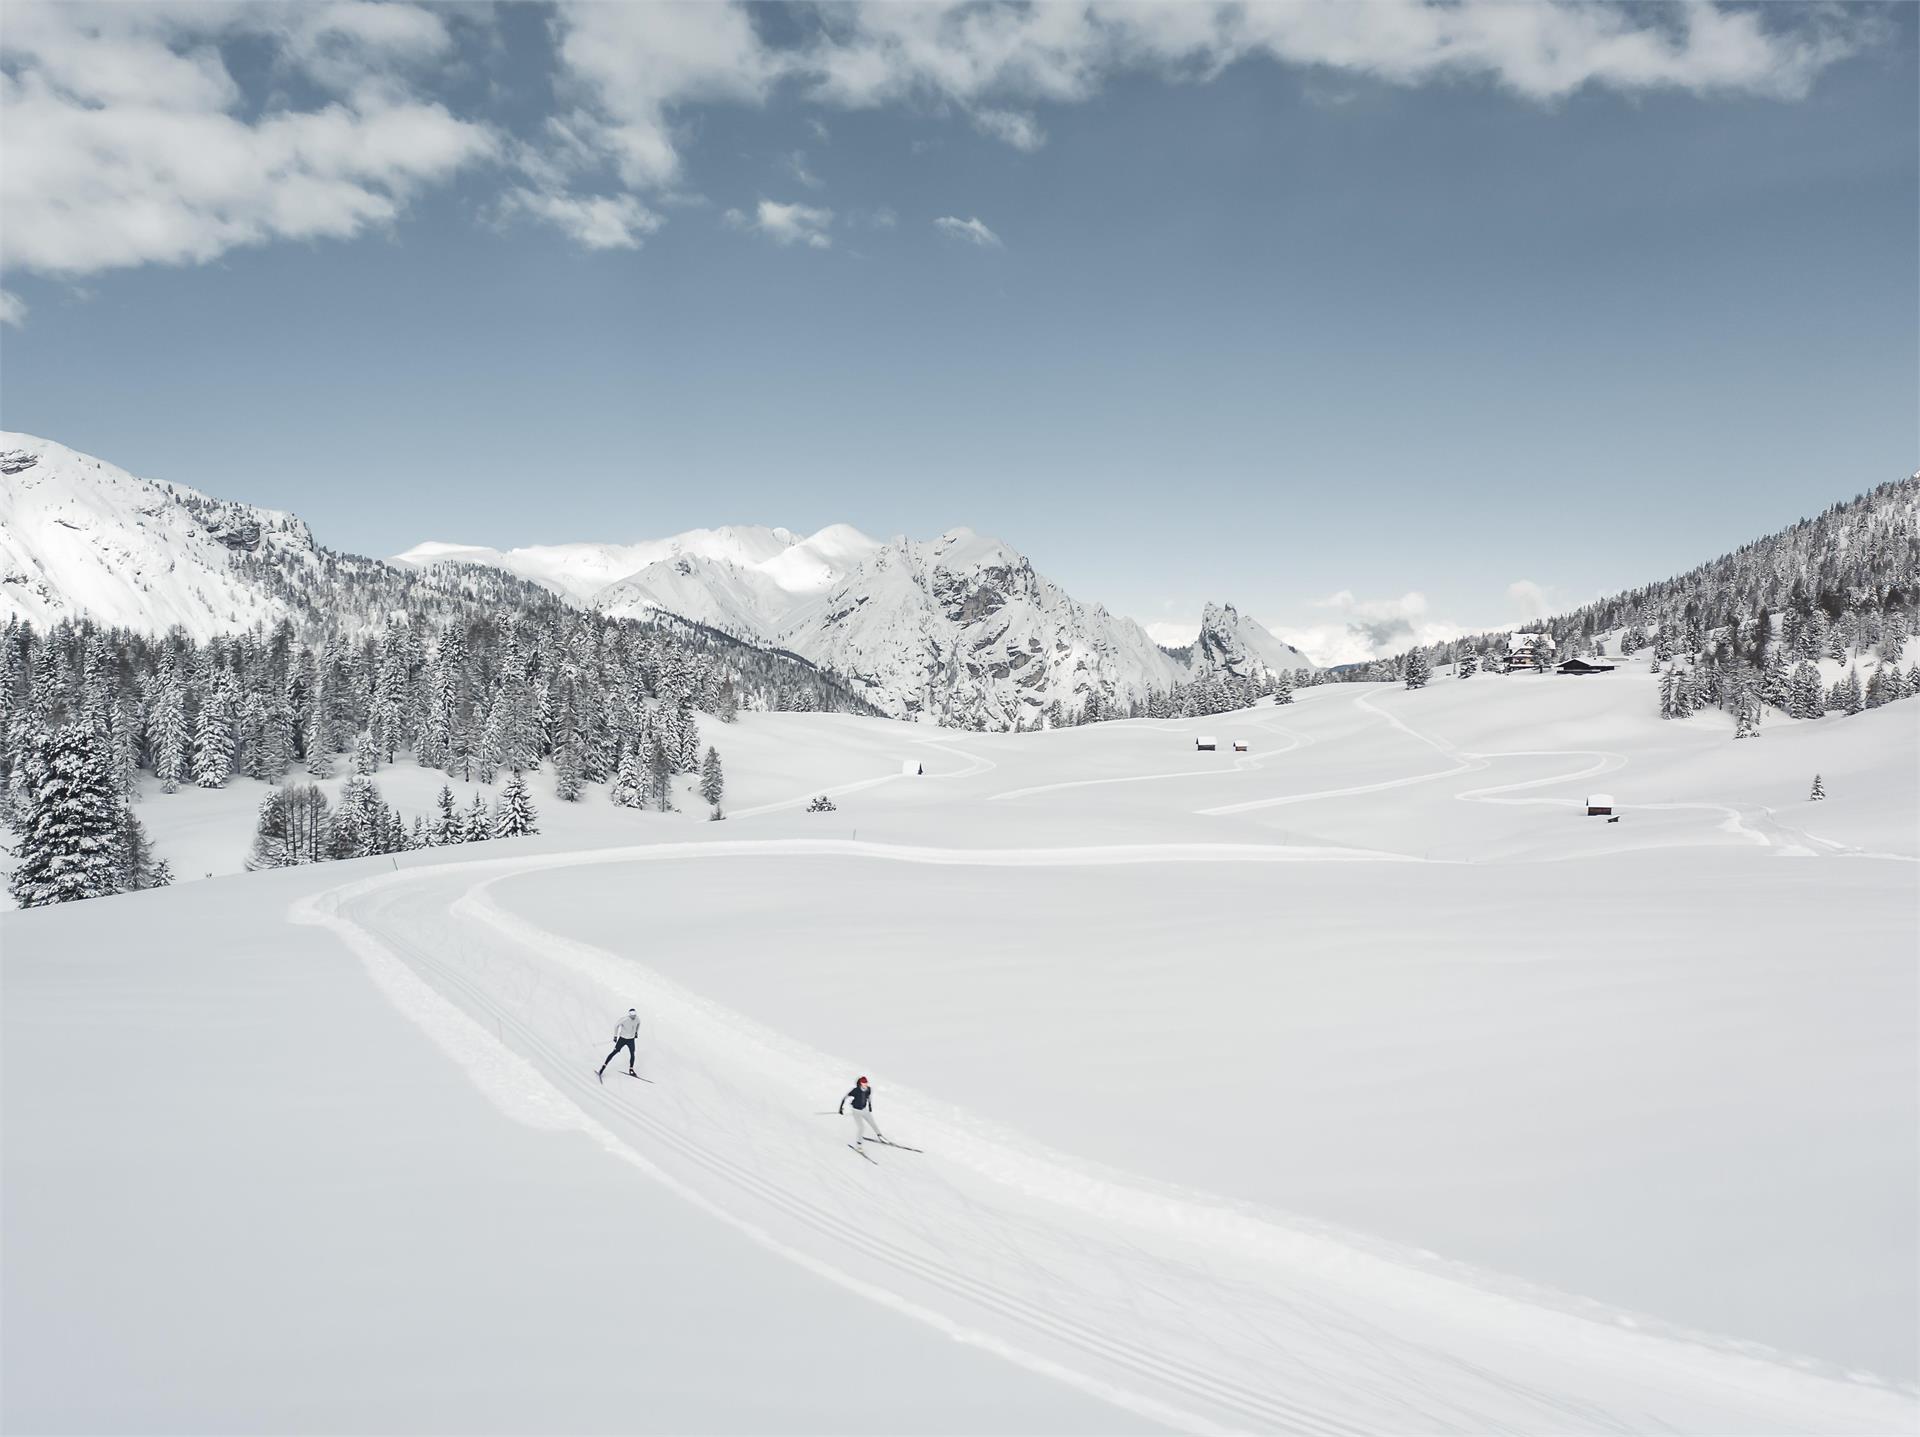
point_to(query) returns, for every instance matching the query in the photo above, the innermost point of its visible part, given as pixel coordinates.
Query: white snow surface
(1359, 1083)
(81, 536)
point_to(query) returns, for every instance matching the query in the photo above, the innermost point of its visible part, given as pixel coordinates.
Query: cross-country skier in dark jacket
(624, 1033)
(861, 1096)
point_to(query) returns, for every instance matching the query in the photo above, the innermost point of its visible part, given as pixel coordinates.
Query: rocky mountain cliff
(962, 630)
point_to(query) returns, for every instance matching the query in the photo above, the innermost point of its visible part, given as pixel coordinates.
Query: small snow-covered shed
(1581, 666)
(1239, 745)
(1205, 744)
(1598, 803)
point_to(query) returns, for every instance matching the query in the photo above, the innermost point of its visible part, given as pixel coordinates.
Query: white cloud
(795, 164)
(632, 65)
(594, 221)
(786, 224)
(350, 44)
(13, 309)
(1012, 127)
(1531, 600)
(128, 142)
(970, 230)
(818, 129)
(979, 57)
(1364, 629)
(632, 69)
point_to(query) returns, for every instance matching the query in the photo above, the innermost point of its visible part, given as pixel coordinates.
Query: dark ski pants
(618, 1044)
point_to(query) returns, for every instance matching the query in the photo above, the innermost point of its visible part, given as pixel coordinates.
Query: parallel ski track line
(1266, 1412)
(460, 1031)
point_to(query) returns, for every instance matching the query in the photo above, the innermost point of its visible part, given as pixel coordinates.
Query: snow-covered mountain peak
(1231, 642)
(963, 547)
(585, 572)
(79, 535)
(814, 563)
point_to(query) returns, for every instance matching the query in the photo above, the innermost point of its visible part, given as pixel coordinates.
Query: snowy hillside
(753, 600)
(737, 598)
(1356, 1082)
(80, 536)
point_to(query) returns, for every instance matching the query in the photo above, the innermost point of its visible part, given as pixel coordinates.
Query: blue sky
(1376, 321)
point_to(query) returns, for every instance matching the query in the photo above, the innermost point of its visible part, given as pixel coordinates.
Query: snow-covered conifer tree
(490, 750)
(566, 773)
(447, 828)
(1419, 669)
(712, 780)
(515, 816)
(269, 833)
(1776, 683)
(479, 822)
(71, 830)
(627, 791)
(1819, 789)
(214, 733)
(659, 776)
(686, 758)
(320, 730)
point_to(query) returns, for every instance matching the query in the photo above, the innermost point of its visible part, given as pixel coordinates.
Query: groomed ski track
(1182, 1308)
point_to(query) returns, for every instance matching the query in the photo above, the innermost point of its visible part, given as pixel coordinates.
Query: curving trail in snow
(1185, 1309)
(975, 765)
(1734, 820)
(1463, 763)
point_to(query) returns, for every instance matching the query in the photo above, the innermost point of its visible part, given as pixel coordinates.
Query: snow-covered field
(1359, 1082)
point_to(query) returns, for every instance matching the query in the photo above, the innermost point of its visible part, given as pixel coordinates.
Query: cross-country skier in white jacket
(624, 1033)
(861, 1096)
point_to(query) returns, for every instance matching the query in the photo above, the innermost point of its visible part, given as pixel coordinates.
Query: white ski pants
(862, 1120)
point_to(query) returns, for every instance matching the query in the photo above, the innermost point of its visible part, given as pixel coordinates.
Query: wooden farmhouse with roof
(1529, 652)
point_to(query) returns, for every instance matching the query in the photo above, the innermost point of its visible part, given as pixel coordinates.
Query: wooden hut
(1599, 803)
(1205, 744)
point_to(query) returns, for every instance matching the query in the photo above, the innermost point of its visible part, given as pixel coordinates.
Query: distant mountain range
(959, 629)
